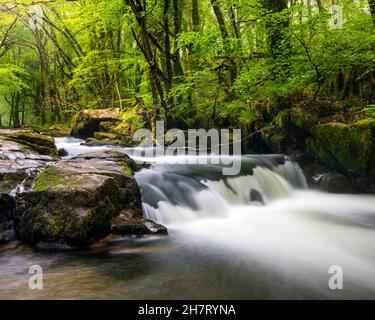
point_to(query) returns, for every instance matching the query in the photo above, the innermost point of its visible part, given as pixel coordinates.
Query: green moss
(58, 130)
(125, 166)
(103, 142)
(52, 180)
(351, 146)
(9, 181)
(282, 118)
(41, 144)
(365, 123)
(104, 135)
(302, 118)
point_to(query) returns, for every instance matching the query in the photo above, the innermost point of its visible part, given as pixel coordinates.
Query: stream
(261, 234)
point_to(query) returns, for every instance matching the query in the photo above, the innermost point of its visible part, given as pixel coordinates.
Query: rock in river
(127, 223)
(74, 200)
(22, 155)
(87, 122)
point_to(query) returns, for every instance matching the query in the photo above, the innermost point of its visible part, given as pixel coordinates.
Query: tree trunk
(372, 9)
(16, 115)
(320, 6)
(225, 36)
(167, 48)
(275, 26)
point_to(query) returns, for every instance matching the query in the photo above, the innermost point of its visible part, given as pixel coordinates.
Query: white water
(296, 233)
(74, 147)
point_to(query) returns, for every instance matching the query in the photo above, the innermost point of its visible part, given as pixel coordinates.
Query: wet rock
(256, 196)
(350, 148)
(104, 135)
(305, 134)
(129, 224)
(58, 130)
(62, 152)
(19, 162)
(31, 141)
(335, 183)
(54, 245)
(324, 179)
(7, 233)
(87, 122)
(74, 200)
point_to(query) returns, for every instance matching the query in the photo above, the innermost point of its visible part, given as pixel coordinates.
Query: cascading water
(259, 234)
(176, 193)
(267, 214)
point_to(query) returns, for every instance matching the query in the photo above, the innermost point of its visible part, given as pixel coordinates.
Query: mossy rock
(303, 118)
(107, 126)
(10, 180)
(74, 200)
(77, 217)
(88, 121)
(275, 138)
(348, 147)
(104, 135)
(93, 142)
(282, 119)
(38, 143)
(58, 130)
(52, 179)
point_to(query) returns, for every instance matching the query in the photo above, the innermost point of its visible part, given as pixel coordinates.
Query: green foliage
(12, 79)
(370, 110)
(222, 67)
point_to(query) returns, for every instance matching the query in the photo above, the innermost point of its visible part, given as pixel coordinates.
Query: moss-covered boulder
(32, 141)
(350, 148)
(74, 200)
(86, 122)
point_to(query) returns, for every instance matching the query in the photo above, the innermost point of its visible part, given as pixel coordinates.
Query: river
(259, 235)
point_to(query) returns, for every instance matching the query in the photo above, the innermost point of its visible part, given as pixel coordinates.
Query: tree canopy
(193, 63)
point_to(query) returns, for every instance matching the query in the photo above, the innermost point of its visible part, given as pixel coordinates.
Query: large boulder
(329, 135)
(87, 122)
(350, 148)
(74, 200)
(23, 154)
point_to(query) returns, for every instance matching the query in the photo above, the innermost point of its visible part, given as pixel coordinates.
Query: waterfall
(175, 193)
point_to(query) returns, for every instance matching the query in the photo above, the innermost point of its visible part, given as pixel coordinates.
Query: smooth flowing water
(260, 234)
